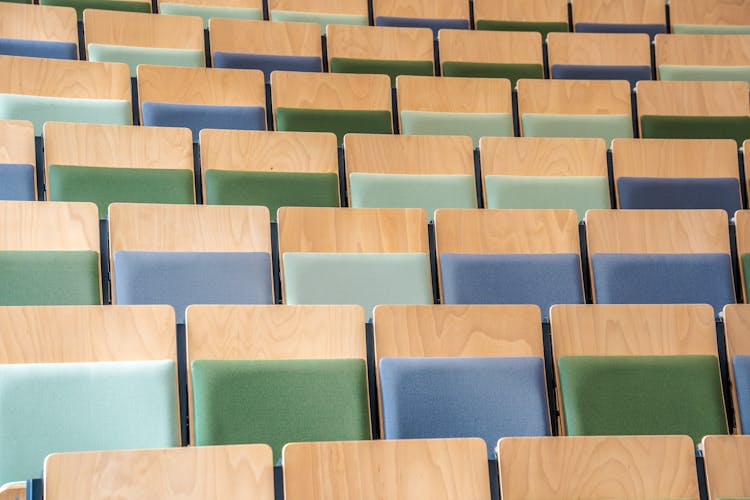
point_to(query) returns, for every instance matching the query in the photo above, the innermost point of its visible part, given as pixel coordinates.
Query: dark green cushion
(543, 28)
(49, 278)
(81, 5)
(746, 269)
(103, 186)
(392, 68)
(338, 121)
(696, 127)
(625, 395)
(279, 401)
(486, 70)
(272, 189)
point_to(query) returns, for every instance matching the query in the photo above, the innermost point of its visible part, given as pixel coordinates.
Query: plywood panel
(17, 142)
(618, 12)
(262, 37)
(736, 327)
(136, 29)
(502, 47)
(535, 156)
(330, 91)
(724, 12)
(703, 50)
(692, 98)
(351, 7)
(37, 225)
(620, 49)
(727, 462)
(38, 22)
(528, 11)
(378, 42)
(582, 97)
(12, 491)
(422, 9)
(453, 94)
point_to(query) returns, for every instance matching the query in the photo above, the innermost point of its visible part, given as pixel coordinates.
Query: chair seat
(197, 117)
(680, 193)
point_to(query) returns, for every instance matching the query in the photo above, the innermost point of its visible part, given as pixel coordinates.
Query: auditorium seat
(181, 255)
(510, 55)
(143, 6)
(272, 169)
(210, 9)
(439, 469)
(410, 171)
(84, 378)
(703, 57)
(276, 374)
(364, 256)
(597, 467)
(736, 318)
(444, 371)
(542, 172)
(509, 257)
(638, 370)
(110, 163)
(543, 16)
(719, 17)
(660, 257)
(454, 106)
(676, 173)
(433, 14)
(727, 459)
(38, 31)
(634, 16)
(742, 229)
(321, 12)
(17, 161)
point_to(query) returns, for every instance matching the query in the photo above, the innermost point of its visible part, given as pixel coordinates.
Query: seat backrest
(736, 318)
(726, 460)
(207, 10)
(410, 468)
(715, 16)
(241, 471)
(323, 12)
(703, 57)
(544, 172)
(543, 16)
(43, 31)
(639, 16)
(17, 160)
(434, 14)
(597, 467)
(112, 163)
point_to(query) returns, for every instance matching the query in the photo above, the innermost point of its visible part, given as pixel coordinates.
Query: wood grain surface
(262, 37)
(422, 9)
(46, 225)
(499, 47)
(17, 142)
(351, 7)
(618, 12)
(527, 11)
(38, 22)
(453, 94)
(674, 98)
(138, 29)
(291, 89)
(379, 43)
(727, 462)
(703, 50)
(734, 12)
(619, 49)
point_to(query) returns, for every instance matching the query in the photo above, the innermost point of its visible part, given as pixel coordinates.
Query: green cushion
(81, 5)
(543, 28)
(625, 395)
(746, 270)
(518, 191)
(318, 17)
(711, 29)
(392, 68)
(103, 186)
(607, 127)
(338, 121)
(133, 56)
(279, 401)
(475, 125)
(271, 189)
(49, 278)
(696, 127)
(206, 12)
(64, 407)
(40, 109)
(704, 73)
(486, 70)
(429, 192)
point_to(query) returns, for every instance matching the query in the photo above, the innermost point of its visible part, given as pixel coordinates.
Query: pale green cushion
(366, 279)
(40, 109)
(206, 12)
(133, 56)
(57, 407)
(606, 127)
(711, 29)
(704, 73)
(475, 125)
(429, 192)
(321, 18)
(517, 191)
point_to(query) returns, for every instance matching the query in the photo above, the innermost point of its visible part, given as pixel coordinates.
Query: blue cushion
(17, 182)
(413, 22)
(542, 279)
(267, 62)
(38, 48)
(183, 278)
(676, 193)
(199, 116)
(742, 385)
(464, 397)
(632, 74)
(700, 278)
(650, 29)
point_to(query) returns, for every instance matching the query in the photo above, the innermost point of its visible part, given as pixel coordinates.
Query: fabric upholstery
(279, 401)
(606, 127)
(38, 48)
(711, 29)
(413, 22)
(741, 366)
(650, 29)
(199, 116)
(81, 5)
(17, 182)
(390, 67)
(49, 278)
(475, 125)
(183, 278)
(267, 62)
(625, 395)
(206, 12)
(745, 262)
(464, 397)
(675, 193)
(702, 278)
(542, 279)
(493, 70)
(696, 127)
(321, 18)
(133, 56)
(633, 74)
(704, 73)
(338, 121)
(541, 27)
(60, 407)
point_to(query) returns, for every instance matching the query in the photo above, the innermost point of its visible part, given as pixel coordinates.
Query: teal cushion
(704, 73)
(542, 27)
(579, 193)
(338, 121)
(711, 29)
(696, 127)
(206, 12)
(366, 279)
(41, 109)
(512, 72)
(606, 127)
(59, 407)
(104, 185)
(81, 5)
(475, 125)
(389, 67)
(319, 18)
(133, 56)
(279, 401)
(429, 192)
(625, 395)
(49, 278)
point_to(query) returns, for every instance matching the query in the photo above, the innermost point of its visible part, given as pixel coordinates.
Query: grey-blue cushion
(633, 74)
(267, 62)
(414, 22)
(650, 29)
(17, 182)
(38, 48)
(197, 117)
(674, 193)
(742, 386)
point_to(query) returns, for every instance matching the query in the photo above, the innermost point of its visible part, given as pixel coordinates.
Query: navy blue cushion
(633, 74)
(413, 22)
(650, 29)
(742, 385)
(650, 192)
(700, 278)
(543, 279)
(199, 116)
(17, 182)
(267, 62)
(464, 397)
(184, 278)
(38, 48)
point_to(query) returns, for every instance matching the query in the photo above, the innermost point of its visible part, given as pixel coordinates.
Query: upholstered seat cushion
(742, 385)
(206, 12)
(512, 72)
(390, 67)
(321, 18)
(679, 193)
(338, 121)
(133, 56)
(606, 127)
(267, 63)
(650, 29)
(696, 127)
(542, 27)
(475, 125)
(704, 73)
(38, 48)
(17, 182)
(413, 22)
(633, 74)
(197, 117)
